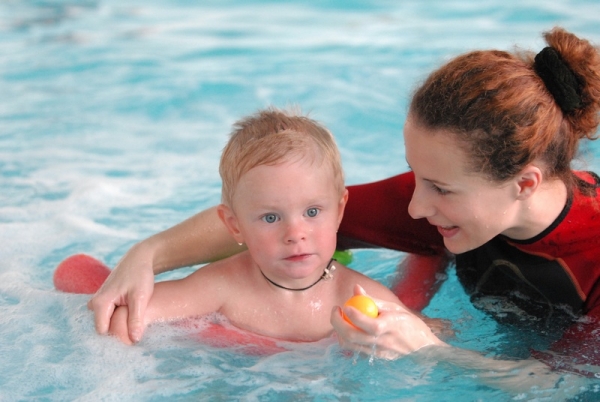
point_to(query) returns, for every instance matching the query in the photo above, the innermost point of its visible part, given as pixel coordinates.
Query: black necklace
(327, 274)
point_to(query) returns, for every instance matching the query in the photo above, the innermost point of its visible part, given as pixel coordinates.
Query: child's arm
(118, 325)
(373, 288)
(200, 293)
(201, 238)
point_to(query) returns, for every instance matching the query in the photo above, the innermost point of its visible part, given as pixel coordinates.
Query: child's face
(288, 216)
(467, 209)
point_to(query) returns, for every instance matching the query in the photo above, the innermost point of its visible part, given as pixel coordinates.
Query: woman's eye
(312, 212)
(270, 218)
(439, 190)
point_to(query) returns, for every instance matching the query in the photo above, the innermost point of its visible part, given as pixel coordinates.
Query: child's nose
(295, 232)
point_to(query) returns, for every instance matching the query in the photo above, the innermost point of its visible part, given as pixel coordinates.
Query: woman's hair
(510, 109)
(273, 136)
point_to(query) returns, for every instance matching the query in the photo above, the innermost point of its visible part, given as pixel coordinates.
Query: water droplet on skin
(316, 305)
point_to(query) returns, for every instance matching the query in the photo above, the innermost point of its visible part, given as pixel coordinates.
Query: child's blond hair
(272, 136)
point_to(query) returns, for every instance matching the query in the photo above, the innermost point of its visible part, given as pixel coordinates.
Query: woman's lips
(447, 231)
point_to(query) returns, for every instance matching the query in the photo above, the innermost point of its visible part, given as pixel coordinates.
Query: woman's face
(467, 208)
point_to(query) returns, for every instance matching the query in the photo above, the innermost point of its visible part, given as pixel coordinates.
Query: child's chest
(294, 318)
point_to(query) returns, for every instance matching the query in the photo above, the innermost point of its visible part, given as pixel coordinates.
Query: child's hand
(118, 325)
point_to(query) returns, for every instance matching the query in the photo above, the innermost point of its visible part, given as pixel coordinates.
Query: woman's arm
(376, 215)
(578, 351)
(525, 378)
(397, 332)
(419, 277)
(199, 239)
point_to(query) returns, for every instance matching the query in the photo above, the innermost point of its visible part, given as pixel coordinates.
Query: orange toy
(364, 304)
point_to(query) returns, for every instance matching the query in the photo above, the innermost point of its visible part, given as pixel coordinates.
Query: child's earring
(241, 244)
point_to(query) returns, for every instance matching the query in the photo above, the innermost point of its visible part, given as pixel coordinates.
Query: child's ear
(342, 206)
(230, 221)
(528, 181)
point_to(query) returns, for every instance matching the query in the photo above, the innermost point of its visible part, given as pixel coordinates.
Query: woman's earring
(241, 244)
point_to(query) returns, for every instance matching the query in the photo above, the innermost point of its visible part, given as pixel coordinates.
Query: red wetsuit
(552, 277)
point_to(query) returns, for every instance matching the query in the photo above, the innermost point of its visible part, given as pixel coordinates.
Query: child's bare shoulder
(349, 277)
(231, 270)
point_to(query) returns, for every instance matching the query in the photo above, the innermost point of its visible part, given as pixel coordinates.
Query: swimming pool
(113, 117)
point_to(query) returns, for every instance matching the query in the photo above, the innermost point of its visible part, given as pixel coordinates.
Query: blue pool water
(113, 115)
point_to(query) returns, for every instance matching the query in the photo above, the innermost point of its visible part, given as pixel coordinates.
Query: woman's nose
(420, 205)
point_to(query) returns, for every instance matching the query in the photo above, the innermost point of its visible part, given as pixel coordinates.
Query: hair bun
(558, 78)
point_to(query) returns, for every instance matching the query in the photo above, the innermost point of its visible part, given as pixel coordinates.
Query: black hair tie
(558, 78)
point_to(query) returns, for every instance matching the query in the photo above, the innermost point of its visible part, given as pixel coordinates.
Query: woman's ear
(528, 181)
(230, 221)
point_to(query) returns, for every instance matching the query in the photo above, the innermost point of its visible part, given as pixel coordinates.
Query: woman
(490, 138)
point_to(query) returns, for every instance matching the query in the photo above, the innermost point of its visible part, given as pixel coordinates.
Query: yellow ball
(364, 304)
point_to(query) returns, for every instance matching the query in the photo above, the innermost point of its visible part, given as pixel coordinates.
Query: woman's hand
(394, 333)
(130, 284)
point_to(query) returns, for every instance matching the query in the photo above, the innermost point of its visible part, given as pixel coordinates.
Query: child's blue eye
(312, 212)
(270, 218)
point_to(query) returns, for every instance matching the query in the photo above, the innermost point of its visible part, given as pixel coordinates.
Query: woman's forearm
(513, 376)
(200, 239)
